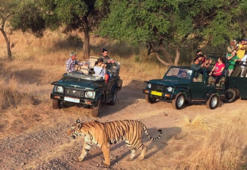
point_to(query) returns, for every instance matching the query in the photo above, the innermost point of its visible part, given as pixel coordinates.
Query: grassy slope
(215, 142)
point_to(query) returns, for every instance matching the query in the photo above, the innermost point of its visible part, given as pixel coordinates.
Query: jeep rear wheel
(55, 104)
(230, 96)
(150, 99)
(179, 101)
(95, 110)
(114, 98)
(213, 102)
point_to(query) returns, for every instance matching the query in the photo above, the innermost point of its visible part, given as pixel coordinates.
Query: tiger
(104, 134)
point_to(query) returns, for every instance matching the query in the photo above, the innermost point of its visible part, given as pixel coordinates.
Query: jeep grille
(74, 92)
(158, 87)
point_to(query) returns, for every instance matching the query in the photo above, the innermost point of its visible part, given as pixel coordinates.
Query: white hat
(72, 54)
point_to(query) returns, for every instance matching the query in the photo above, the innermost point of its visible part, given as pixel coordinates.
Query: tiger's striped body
(104, 134)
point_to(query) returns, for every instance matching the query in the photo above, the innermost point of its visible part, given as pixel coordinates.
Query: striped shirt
(70, 65)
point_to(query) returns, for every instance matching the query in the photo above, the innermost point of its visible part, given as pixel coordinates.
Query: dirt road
(42, 143)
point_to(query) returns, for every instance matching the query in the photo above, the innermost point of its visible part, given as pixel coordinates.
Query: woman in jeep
(218, 69)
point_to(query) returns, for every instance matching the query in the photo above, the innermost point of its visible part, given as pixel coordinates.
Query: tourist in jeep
(182, 74)
(232, 61)
(71, 62)
(106, 58)
(197, 67)
(218, 69)
(99, 68)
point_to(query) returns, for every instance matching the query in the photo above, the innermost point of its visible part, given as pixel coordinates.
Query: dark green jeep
(182, 85)
(85, 90)
(236, 87)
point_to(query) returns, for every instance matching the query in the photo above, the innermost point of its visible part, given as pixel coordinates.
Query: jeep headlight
(169, 89)
(59, 89)
(149, 85)
(90, 94)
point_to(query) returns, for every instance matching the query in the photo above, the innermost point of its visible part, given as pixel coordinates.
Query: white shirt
(244, 61)
(99, 71)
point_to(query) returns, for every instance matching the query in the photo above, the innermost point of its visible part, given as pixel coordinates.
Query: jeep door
(198, 87)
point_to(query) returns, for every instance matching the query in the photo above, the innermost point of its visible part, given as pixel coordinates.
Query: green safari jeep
(235, 88)
(181, 85)
(86, 90)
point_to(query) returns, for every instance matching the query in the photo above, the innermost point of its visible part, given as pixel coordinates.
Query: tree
(169, 24)
(6, 11)
(81, 15)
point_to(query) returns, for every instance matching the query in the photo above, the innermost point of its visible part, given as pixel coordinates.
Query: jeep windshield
(179, 73)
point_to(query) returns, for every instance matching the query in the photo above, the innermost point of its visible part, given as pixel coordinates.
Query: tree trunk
(7, 43)
(166, 54)
(177, 56)
(86, 46)
(162, 61)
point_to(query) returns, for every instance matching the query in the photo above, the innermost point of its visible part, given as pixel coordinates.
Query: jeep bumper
(76, 100)
(159, 95)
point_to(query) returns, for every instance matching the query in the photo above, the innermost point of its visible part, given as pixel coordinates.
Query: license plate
(70, 99)
(156, 93)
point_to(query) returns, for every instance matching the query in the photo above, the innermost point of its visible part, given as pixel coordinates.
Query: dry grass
(218, 142)
(218, 145)
(11, 97)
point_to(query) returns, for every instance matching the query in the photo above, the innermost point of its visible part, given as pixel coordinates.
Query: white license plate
(70, 99)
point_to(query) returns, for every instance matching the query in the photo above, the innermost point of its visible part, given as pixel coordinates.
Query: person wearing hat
(71, 62)
(241, 49)
(233, 46)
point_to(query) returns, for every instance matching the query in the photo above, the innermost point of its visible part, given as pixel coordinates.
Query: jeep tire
(150, 99)
(114, 98)
(95, 110)
(179, 101)
(55, 104)
(213, 102)
(230, 96)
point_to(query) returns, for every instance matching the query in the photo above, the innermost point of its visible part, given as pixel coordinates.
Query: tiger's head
(75, 129)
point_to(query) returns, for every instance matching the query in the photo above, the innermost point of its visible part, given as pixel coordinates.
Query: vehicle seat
(92, 60)
(211, 81)
(84, 69)
(198, 79)
(222, 81)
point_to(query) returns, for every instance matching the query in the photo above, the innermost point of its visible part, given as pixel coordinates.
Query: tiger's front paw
(103, 165)
(79, 159)
(129, 159)
(141, 158)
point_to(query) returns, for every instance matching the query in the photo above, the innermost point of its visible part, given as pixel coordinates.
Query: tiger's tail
(150, 137)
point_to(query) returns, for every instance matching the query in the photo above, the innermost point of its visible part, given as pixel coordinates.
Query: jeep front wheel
(150, 99)
(230, 96)
(95, 110)
(55, 104)
(213, 102)
(179, 101)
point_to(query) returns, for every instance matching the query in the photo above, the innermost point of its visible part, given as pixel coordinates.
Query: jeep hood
(169, 82)
(81, 85)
